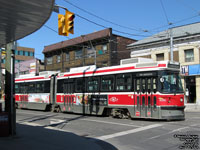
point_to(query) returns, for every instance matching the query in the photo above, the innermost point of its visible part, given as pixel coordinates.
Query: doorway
(191, 88)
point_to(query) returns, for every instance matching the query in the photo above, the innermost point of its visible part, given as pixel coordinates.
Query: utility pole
(9, 88)
(171, 45)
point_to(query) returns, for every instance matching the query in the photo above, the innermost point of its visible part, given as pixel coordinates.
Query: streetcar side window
(80, 85)
(17, 88)
(93, 84)
(60, 86)
(123, 82)
(107, 83)
(39, 87)
(31, 88)
(46, 86)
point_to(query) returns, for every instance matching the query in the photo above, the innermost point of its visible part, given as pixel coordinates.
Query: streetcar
(150, 90)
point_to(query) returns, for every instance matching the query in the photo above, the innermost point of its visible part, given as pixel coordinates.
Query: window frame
(112, 84)
(189, 58)
(124, 84)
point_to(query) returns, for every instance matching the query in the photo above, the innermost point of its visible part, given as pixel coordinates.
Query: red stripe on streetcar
(36, 78)
(112, 70)
(100, 71)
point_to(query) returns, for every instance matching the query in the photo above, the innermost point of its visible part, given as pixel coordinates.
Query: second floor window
(58, 58)
(67, 56)
(49, 60)
(189, 55)
(160, 57)
(90, 52)
(78, 54)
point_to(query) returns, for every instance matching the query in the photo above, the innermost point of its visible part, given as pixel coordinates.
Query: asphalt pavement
(40, 138)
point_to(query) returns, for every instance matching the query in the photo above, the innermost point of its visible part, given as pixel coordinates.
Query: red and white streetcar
(138, 90)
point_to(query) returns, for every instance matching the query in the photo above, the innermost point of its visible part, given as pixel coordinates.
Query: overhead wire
(108, 27)
(101, 18)
(78, 45)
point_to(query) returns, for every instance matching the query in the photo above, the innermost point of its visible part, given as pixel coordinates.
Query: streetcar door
(149, 97)
(143, 97)
(68, 94)
(146, 97)
(137, 97)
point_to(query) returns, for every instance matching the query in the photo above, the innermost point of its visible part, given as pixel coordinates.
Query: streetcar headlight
(181, 99)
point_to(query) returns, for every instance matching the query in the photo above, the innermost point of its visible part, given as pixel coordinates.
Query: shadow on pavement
(40, 138)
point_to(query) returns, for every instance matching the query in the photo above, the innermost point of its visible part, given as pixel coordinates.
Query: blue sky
(132, 17)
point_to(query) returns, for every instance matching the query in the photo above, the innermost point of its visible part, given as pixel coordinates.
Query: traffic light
(61, 25)
(66, 23)
(69, 22)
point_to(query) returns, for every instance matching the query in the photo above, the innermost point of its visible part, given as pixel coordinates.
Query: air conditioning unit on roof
(135, 60)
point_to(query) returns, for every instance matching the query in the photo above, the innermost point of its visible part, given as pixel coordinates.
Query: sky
(136, 19)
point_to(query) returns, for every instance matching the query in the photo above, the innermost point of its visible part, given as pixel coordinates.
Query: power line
(108, 27)
(103, 18)
(188, 6)
(165, 12)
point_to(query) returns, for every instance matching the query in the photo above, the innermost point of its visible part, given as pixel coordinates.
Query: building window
(78, 54)
(103, 50)
(16, 52)
(32, 53)
(49, 60)
(67, 56)
(58, 58)
(189, 55)
(20, 53)
(26, 53)
(160, 57)
(90, 52)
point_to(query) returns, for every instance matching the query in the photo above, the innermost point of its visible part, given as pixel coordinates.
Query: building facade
(32, 66)
(186, 50)
(102, 48)
(21, 54)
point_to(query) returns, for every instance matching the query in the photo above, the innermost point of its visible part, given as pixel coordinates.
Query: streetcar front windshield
(171, 83)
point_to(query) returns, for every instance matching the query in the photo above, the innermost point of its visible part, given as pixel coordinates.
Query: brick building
(109, 48)
(186, 50)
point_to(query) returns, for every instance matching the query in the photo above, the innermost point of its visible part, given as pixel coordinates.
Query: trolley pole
(9, 88)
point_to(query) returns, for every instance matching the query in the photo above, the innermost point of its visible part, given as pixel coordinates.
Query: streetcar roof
(134, 67)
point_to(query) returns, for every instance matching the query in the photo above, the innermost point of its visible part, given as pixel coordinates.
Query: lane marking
(107, 122)
(105, 137)
(30, 124)
(56, 121)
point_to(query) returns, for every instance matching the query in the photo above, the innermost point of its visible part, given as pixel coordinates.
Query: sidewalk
(192, 108)
(40, 138)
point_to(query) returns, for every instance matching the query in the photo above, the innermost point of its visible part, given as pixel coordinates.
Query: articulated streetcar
(139, 90)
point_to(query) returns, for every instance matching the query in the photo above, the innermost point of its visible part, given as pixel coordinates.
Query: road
(124, 134)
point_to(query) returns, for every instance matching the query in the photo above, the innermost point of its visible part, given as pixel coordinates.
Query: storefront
(191, 78)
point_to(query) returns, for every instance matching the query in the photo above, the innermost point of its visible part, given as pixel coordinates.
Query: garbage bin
(4, 126)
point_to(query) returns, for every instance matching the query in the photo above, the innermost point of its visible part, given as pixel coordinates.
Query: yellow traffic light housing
(66, 23)
(61, 25)
(69, 22)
